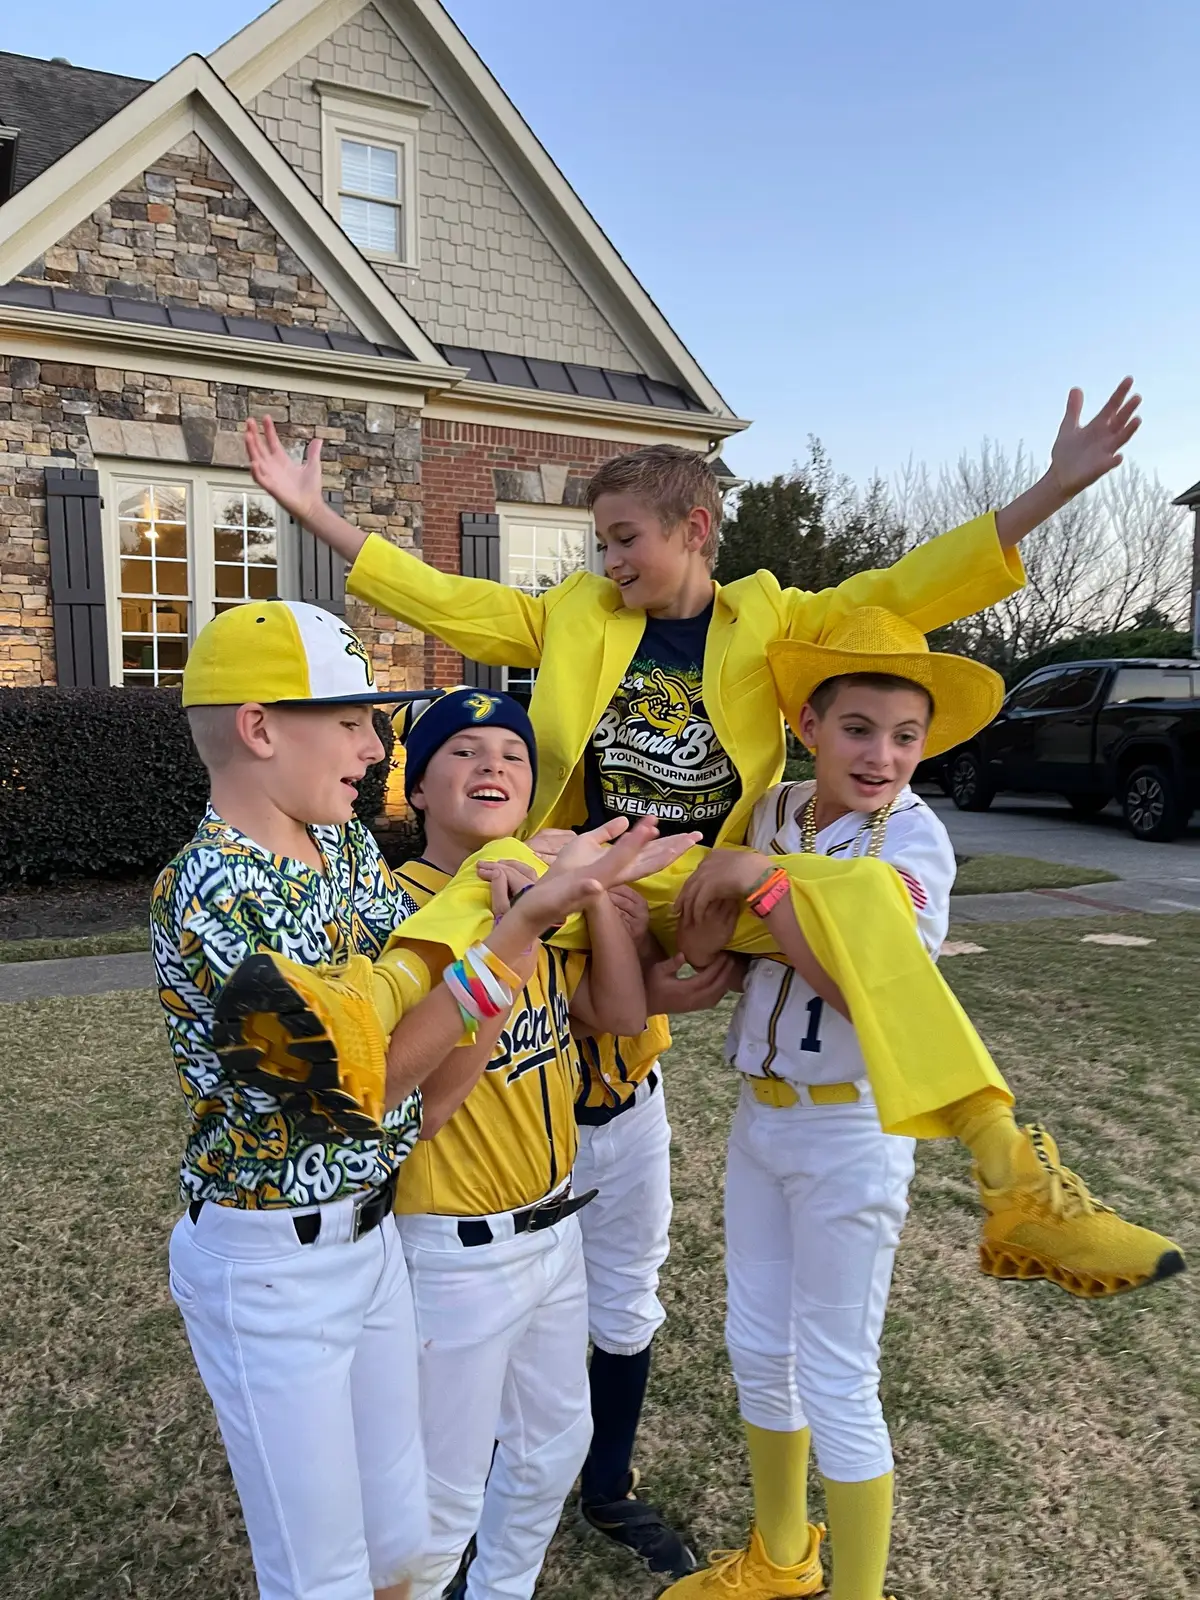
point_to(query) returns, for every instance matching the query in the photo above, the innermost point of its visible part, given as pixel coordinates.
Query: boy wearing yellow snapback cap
(286, 1265)
(816, 1191)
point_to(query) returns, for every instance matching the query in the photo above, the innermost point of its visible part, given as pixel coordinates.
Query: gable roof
(192, 99)
(271, 44)
(54, 106)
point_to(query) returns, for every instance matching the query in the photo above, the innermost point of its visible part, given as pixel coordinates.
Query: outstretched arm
(1081, 456)
(977, 565)
(487, 621)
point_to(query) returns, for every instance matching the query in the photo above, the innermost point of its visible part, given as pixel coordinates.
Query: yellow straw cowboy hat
(966, 694)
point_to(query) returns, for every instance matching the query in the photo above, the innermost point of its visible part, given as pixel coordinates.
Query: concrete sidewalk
(31, 980)
(1159, 895)
(77, 975)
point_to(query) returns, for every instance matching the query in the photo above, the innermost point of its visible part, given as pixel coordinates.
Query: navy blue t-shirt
(655, 752)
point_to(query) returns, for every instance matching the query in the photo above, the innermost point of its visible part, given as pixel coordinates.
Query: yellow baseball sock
(985, 1124)
(860, 1530)
(779, 1474)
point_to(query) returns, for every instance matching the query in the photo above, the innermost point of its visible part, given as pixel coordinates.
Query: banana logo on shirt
(665, 702)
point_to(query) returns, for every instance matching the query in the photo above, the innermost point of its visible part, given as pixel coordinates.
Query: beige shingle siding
(488, 275)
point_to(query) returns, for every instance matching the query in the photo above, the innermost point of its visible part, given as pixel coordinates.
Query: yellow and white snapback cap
(280, 652)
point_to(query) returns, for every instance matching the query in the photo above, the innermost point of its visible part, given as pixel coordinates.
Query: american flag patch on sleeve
(915, 889)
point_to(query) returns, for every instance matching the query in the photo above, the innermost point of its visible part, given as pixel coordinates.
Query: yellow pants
(921, 1050)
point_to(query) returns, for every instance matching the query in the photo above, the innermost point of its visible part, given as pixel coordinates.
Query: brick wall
(49, 410)
(466, 466)
(488, 275)
(184, 234)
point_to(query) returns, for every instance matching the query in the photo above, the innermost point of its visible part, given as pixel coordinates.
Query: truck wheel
(1152, 807)
(969, 788)
(1087, 805)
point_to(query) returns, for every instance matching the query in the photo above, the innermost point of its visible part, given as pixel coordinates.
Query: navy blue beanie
(429, 723)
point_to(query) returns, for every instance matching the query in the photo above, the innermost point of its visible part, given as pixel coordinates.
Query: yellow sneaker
(1047, 1225)
(752, 1575)
(309, 1035)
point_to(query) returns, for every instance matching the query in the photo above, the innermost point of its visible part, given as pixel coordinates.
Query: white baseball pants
(625, 1228)
(815, 1199)
(308, 1353)
(502, 1331)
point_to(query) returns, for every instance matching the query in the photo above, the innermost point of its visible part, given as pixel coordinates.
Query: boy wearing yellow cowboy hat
(816, 1190)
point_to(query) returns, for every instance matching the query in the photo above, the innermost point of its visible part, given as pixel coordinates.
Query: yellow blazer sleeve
(959, 573)
(486, 621)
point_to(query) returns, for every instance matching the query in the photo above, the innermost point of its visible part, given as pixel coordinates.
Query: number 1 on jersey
(811, 1040)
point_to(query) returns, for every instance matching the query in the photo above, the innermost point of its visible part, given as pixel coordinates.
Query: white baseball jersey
(781, 1028)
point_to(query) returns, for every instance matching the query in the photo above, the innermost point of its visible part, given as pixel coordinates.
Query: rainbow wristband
(455, 981)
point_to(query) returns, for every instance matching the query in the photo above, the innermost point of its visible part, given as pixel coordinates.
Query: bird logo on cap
(481, 706)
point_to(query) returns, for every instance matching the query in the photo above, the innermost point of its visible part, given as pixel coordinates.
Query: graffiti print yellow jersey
(513, 1139)
(224, 898)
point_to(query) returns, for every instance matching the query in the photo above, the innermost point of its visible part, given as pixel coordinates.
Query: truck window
(1151, 683)
(1029, 694)
(1071, 690)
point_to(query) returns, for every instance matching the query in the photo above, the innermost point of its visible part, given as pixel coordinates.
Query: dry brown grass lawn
(1046, 1447)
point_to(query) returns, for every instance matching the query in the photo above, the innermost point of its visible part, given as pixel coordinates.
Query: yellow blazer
(582, 639)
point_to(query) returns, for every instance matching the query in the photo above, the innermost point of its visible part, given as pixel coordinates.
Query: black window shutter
(77, 577)
(322, 570)
(481, 559)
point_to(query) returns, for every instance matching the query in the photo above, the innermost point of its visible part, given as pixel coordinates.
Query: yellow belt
(779, 1093)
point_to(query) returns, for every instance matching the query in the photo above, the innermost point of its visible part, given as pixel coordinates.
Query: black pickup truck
(1092, 731)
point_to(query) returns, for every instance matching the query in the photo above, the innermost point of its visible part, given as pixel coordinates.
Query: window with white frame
(369, 167)
(182, 544)
(539, 547)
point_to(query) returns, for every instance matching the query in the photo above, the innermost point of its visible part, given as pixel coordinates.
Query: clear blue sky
(899, 227)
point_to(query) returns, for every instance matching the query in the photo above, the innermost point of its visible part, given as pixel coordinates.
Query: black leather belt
(601, 1116)
(533, 1219)
(370, 1208)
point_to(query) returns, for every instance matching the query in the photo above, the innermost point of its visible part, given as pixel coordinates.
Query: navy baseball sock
(618, 1386)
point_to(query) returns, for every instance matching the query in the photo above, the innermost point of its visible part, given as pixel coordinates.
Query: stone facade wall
(488, 276)
(183, 233)
(57, 415)
(467, 466)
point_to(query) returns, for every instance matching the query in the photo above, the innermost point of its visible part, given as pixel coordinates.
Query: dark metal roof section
(195, 319)
(1189, 497)
(54, 106)
(485, 366)
(564, 377)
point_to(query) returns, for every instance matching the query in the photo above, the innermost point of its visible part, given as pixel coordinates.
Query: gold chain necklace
(808, 827)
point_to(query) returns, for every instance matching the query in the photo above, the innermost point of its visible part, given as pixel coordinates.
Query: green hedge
(105, 782)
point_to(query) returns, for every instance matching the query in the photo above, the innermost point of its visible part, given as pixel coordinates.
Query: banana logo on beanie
(481, 706)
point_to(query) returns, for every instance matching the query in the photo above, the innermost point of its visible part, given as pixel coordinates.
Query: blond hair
(214, 733)
(670, 480)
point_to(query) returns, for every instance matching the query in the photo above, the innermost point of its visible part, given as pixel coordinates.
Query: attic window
(369, 151)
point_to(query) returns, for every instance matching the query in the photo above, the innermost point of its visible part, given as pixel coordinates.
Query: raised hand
(1081, 455)
(616, 853)
(549, 841)
(296, 485)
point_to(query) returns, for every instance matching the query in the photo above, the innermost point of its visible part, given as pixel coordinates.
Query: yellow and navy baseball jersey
(613, 1067)
(781, 1028)
(513, 1139)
